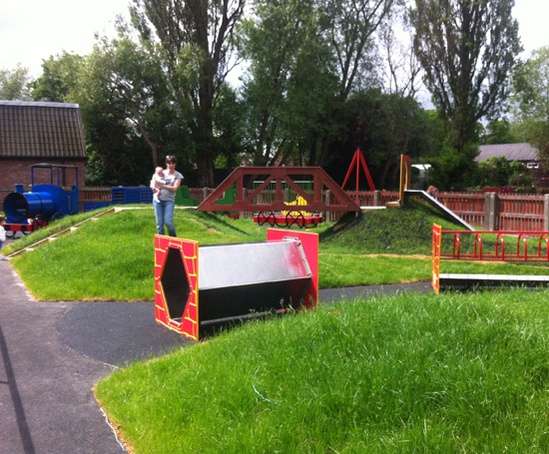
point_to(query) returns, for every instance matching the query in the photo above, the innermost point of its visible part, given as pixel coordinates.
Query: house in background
(521, 152)
(38, 133)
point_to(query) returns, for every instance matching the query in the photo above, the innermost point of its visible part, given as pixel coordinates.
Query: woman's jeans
(163, 212)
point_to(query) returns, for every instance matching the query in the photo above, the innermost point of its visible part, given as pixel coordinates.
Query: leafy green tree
(59, 78)
(383, 126)
(116, 155)
(531, 100)
(14, 84)
(230, 131)
(305, 58)
(402, 71)
(521, 177)
(454, 170)
(192, 41)
(289, 89)
(498, 172)
(468, 50)
(499, 132)
(127, 111)
(494, 171)
(350, 26)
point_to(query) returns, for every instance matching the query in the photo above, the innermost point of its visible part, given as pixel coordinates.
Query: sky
(34, 30)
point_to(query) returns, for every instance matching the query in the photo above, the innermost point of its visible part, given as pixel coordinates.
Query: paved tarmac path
(52, 355)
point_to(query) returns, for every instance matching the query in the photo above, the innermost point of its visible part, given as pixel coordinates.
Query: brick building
(36, 133)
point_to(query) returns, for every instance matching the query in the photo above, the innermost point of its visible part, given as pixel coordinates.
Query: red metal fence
(489, 211)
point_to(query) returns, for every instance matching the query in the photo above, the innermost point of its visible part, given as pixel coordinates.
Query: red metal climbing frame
(254, 199)
(357, 163)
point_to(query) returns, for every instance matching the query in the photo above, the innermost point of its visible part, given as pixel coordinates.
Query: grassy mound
(111, 258)
(405, 230)
(415, 373)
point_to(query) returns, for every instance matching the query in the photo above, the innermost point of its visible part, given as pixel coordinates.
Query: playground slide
(449, 214)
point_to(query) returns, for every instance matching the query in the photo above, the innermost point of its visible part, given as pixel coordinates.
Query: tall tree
(383, 126)
(14, 84)
(401, 71)
(350, 26)
(290, 84)
(194, 41)
(59, 78)
(468, 49)
(498, 132)
(306, 57)
(531, 100)
(123, 91)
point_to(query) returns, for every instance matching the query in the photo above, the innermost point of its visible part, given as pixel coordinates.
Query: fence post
(244, 195)
(329, 214)
(546, 212)
(377, 198)
(490, 219)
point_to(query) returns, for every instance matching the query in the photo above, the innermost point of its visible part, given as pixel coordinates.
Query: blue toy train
(28, 211)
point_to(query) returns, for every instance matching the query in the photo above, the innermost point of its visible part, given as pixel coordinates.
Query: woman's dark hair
(170, 158)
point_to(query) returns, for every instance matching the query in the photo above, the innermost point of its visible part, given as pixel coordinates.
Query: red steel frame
(358, 161)
(519, 253)
(315, 202)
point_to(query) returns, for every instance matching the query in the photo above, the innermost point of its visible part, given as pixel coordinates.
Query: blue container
(131, 194)
(22, 206)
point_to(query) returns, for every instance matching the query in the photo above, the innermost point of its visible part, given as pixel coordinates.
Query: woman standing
(164, 206)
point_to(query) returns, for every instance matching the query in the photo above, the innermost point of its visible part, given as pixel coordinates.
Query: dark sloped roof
(41, 130)
(511, 151)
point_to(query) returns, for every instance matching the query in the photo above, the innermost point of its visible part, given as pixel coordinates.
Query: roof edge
(38, 104)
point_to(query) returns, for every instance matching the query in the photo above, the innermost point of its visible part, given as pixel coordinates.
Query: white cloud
(34, 30)
(532, 17)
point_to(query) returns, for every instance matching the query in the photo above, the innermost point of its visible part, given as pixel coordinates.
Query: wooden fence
(489, 211)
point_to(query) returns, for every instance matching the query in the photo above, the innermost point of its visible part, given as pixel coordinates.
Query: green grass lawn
(415, 373)
(412, 373)
(111, 258)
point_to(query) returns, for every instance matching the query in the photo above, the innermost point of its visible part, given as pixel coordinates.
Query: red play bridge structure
(281, 195)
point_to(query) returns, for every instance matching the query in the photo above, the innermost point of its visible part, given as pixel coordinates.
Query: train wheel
(10, 234)
(298, 219)
(271, 219)
(290, 219)
(261, 218)
(40, 221)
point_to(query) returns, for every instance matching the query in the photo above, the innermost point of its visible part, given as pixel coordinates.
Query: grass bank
(416, 373)
(111, 258)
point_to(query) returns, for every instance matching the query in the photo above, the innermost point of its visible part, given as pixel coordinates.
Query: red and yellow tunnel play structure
(201, 287)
